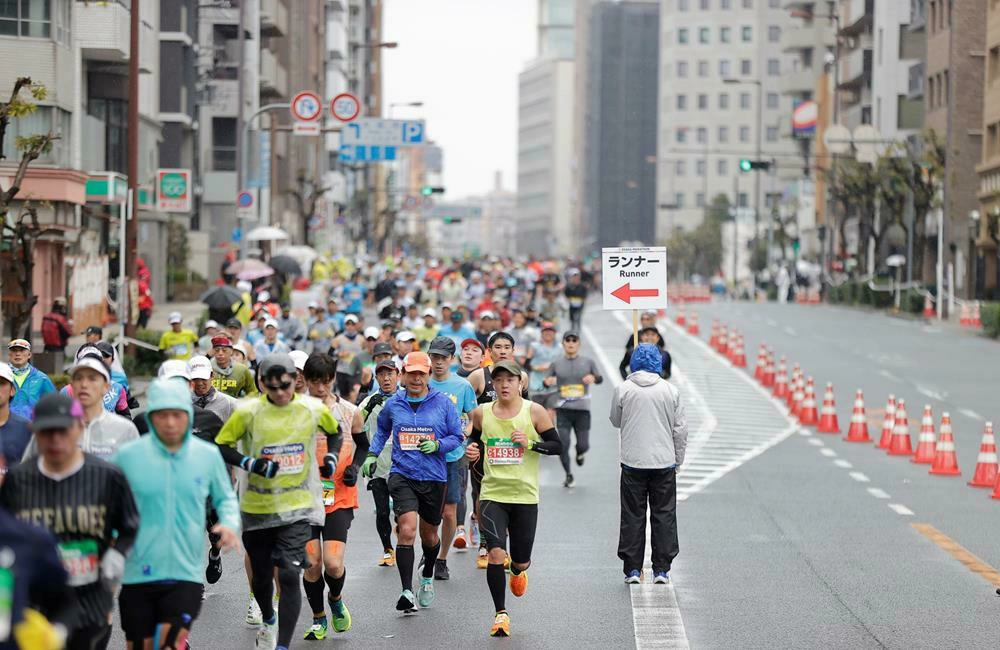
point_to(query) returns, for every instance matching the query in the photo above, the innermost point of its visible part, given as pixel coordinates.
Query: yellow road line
(960, 553)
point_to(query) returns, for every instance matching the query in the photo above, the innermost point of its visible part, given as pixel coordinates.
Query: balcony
(856, 16)
(273, 18)
(799, 81)
(916, 85)
(918, 15)
(224, 97)
(102, 31)
(273, 76)
(807, 36)
(856, 115)
(856, 67)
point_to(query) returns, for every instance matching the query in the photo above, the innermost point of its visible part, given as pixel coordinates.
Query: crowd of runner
(414, 380)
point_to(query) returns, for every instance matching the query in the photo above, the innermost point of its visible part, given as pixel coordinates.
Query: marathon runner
(423, 426)
(349, 344)
(340, 499)
(31, 382)
(572, 374)
(509, 434)
(471, 356)
(459, 391)
(204, 393)
(173, 473)
(541, 355)
(270, 344)
(177, 342)
(387, 376)
(15, 431)
(284, 496)
(86, 503)
(576, 297)
(233, 379)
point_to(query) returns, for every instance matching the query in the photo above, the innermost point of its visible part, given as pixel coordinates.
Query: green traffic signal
(746, 164)
(428, 190)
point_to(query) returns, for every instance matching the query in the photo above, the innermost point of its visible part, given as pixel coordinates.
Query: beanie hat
(646, 357)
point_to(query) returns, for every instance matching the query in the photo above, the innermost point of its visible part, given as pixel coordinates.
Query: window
(722, 167)
(43, 120)
(682, 102)
(114, 114)
(702, 68)
(682, 69)
(930, 92)
(746, 33)
(224, 143)
(773, 33)
(726, 4)
(723, 134)
(699, 199)
(703, 35)
(704, 5)
(62, 22)
(699, 168)
(993, 69)
(745, 68)
(744, 134)
(680, 168)
(682, 136)
(30, 18)
(701, 135)
(945, 89)
(744, 200)
(679, 199)
(773, 67)
(748, 4)
(724, 69)
(772, 134)
(682, 5)
(772, 100)
(682, 36)
(724, 101)
(724, 34)
(702, 102)
(745, 101)
(879, 45)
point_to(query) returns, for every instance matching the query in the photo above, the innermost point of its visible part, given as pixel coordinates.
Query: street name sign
(634, 278)
(372, 131)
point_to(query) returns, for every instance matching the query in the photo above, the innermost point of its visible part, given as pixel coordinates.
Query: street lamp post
(759, 127)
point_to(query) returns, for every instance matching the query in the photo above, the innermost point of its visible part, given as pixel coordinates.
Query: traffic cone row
(888, 423)
(945, 460)
(713, 339)
(899, 444)
(965, 315)
(828, 416)
(929, 307)
(781, 381)
(807, 412)
(692, 327)
(986, 463)
(758, 372)
(927, 441)
(769, 371)
(858, 431)
(680, 317)
(738, 357)
(976, 320)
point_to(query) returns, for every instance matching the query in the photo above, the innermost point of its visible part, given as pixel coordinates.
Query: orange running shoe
(519, 583)
(501, 625)
(388, 558)
(460, 542)
(483, 559)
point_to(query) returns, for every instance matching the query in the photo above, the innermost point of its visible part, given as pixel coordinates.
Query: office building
(986, 272)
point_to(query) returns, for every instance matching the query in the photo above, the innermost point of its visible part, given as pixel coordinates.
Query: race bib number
(328, 493)
(572, 391)
(576, 302)
(503, 451)
(291, 458)
(80, 561)
(179, 350)
(411, 437)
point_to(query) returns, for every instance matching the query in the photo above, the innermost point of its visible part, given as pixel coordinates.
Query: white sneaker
(267, 636)
(253, 618)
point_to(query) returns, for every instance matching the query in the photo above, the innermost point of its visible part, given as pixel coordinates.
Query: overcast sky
(461, 58)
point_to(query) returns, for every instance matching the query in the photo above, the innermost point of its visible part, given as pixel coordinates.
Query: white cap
(243, 285)
(405, 336)
(8, 374)
(430, 312)
(350, 318)
(313, 304)
(93, 364)
(270, 322)
(174, 317)
(372, 332)
(199, 367)
(173, 368)
(211, 323)
(298, 358)
(263, 296)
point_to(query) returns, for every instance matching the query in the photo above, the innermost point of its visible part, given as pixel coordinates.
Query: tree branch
(20, 83)
(30, 155)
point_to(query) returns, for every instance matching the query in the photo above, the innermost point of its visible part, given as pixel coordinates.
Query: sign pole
(635, 329)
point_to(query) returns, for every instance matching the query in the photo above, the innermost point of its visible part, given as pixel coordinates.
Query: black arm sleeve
(623, 366)
(360, 448)
(333, 442)
(550, 445)
(230, 455)
(476, 436)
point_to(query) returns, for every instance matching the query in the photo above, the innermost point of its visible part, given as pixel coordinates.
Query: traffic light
(427, 190)
(450, 220)
(747, 165)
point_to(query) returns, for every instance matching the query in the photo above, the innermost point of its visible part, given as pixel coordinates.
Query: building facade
(987, 270)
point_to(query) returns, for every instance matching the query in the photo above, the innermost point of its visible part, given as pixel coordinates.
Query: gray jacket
(649, 412)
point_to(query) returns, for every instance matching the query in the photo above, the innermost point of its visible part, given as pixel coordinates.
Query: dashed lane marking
(969, 413)
(816, 442)
(840, 462)
(900, 509)
(829, 453)
(878, 493)
(859, 477)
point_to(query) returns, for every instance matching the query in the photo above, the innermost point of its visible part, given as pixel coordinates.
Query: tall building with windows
(986, 274)
(719, 59)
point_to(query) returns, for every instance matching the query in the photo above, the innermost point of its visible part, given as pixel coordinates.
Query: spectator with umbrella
(221, 301)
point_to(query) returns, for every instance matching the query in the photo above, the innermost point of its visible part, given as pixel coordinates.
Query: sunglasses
(571, 339)
(283, 385)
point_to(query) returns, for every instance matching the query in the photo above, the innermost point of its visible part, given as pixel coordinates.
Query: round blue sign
(244, 200)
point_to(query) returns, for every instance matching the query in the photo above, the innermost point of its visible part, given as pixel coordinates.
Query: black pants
(380, 493)
(569, 421)
(92, 637)
(658, 488)
(575, 318)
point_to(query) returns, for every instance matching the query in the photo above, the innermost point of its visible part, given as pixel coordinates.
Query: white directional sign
(634, 278)
(372, 131)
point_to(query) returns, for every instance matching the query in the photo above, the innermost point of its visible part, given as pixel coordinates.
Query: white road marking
(656, 617)
(969, 413)
(900, 509)
(829, 453)
(888, 375)
(878, 493)
(859, 477)
(791, 332)
(931, 393)
(840, 462)
(805, 432)
(771, 322)
(816, 442)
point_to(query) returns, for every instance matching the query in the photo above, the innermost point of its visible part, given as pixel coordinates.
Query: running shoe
(569, 482)
(634, 577)
(267, 635)
(316, 631)
(406, 603)
(519, 583)
(425, 594)
(341, 615)
(253, 613)
(483, 560)
(661, 578)
(506, 564)
(474, 534)
(460, 542)
(214, 569)
(441, 570)
(388, 558)
(501, 625)
(579, 460)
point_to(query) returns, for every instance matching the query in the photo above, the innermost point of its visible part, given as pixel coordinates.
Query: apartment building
(986, 272)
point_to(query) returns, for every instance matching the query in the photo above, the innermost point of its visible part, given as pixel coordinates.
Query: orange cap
(417, 362)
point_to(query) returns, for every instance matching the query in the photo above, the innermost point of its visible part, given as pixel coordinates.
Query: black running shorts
(335, 527)
(497, 520)
(426, 498)
(144, 606)
(285, 546)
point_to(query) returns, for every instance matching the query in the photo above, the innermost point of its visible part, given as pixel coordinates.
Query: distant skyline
(461, 58)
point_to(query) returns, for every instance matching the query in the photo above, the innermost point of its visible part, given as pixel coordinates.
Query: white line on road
(888, 375)
(791, 332)
(901, 509)
(859, 477)
(829, 453)
(840, 462)
(816, 442)
(931, 393)
(878, 493)
(658, 624)
(805, 432)
(969, 413)
(771, 322)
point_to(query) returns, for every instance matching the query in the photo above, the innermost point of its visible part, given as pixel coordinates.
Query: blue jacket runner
(408, 424)
(36, 384)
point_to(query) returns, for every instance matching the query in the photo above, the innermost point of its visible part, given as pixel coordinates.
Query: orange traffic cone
(769, 371)
(739, 358)
(795, 391)
(888, 423)
(781, 381)
(680, 317)
(713, 337)
(900, 444)
(693, 324)
(928, 307)
(927, 441)
(965, 318)
(807, 412)
(945, 460)
(858, 431)
(986, 464)
(731, 345)
(976, 321)
(722, 345)
(758, 372)
(828, 415)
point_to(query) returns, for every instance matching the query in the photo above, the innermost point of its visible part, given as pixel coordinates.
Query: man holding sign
(424, 427)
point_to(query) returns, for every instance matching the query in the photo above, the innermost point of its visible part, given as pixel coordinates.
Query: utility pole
(131, 239)
(241, 142)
